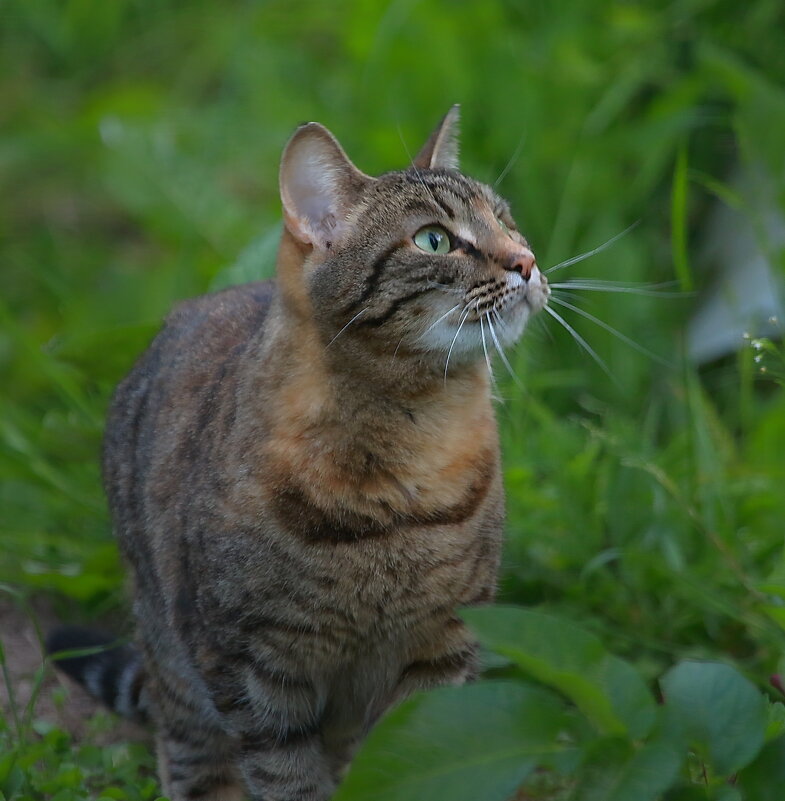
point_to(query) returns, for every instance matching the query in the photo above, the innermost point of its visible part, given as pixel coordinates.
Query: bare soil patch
(24, 659)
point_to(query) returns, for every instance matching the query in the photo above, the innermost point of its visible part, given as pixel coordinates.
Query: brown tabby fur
(305, 503)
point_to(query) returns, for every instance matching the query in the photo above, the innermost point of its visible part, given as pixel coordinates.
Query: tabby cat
(304, 477)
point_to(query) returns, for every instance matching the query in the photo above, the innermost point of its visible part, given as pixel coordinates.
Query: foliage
(48, 764)
(138, 155)
(40, 760)
(602, 738)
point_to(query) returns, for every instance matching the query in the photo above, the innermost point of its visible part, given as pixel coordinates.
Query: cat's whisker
(485, 351)
(429, 328)
(513, 158)
(434, 324)
(542, 324)
(646, 290)
(424, 185)
(362, 311)
(623, 337)
(582, 342)
(500, 350)
(499, 318)
(398, 347)
(464, 315)
(445, 288)
(633, 284)
(589, 253)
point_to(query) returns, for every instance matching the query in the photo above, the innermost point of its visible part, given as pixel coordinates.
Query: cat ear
(441, 149)
(319, 186)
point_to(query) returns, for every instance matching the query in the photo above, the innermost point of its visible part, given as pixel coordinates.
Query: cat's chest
(347, 478)
(357, 579)
(401, 588)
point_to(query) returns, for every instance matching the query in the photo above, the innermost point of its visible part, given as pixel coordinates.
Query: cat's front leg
(195, 756)
(451, 658)
(281, 750)
(191, 767)
(291, 768)
(274, 717)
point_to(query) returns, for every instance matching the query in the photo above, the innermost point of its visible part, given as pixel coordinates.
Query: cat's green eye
(433, 239)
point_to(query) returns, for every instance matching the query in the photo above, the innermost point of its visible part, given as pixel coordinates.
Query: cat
(304, 477)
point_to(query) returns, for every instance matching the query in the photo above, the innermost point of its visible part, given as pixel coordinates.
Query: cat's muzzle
(503, 295)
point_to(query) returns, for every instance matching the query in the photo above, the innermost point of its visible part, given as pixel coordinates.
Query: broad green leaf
(719, 711)
(614, 771)
(564, 656)
(457, 744)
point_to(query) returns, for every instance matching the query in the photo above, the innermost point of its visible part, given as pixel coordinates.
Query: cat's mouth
(500, 297)
(492, 312)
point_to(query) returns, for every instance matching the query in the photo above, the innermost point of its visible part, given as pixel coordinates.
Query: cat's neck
(361, 384)
(354, 443)
(374, 431)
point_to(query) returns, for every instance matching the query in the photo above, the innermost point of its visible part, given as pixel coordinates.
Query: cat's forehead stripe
(460, 189)
(431, 180)
(426, 206)
(448, 210)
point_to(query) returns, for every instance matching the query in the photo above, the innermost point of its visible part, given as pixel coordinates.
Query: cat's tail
(110, 672)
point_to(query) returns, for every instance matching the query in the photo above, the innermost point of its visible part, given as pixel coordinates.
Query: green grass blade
(679, 221)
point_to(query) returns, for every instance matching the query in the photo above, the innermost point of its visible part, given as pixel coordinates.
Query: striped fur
(303, 489)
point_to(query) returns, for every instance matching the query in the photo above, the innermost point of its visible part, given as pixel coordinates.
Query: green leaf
(726, 793)
(457, 744)
(115, 793)
(7, 762)
(718, 711)
(764, 779)
(614, 771)
(14, 781)
(686, 794)
(564, 656)
(775, 712)
(723, 792)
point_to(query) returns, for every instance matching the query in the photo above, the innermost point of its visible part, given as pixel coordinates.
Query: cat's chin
(510, 326)
(464, 339)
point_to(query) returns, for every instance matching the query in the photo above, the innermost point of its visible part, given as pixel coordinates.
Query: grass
(44, 761)
(138, 159)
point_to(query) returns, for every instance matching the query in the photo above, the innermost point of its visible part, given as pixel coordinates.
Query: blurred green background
(139, 146)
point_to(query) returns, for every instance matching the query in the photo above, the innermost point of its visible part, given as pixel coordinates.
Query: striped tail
(113, 675)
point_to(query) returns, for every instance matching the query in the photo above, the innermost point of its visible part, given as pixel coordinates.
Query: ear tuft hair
(441, 149)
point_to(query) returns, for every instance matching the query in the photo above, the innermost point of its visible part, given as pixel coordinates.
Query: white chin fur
(468, 342)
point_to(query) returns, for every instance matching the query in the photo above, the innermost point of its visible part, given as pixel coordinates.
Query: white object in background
(742, 252)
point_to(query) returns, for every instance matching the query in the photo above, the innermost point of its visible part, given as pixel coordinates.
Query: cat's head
(424, 259)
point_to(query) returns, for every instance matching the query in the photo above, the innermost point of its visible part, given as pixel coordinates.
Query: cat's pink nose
(523, 262)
